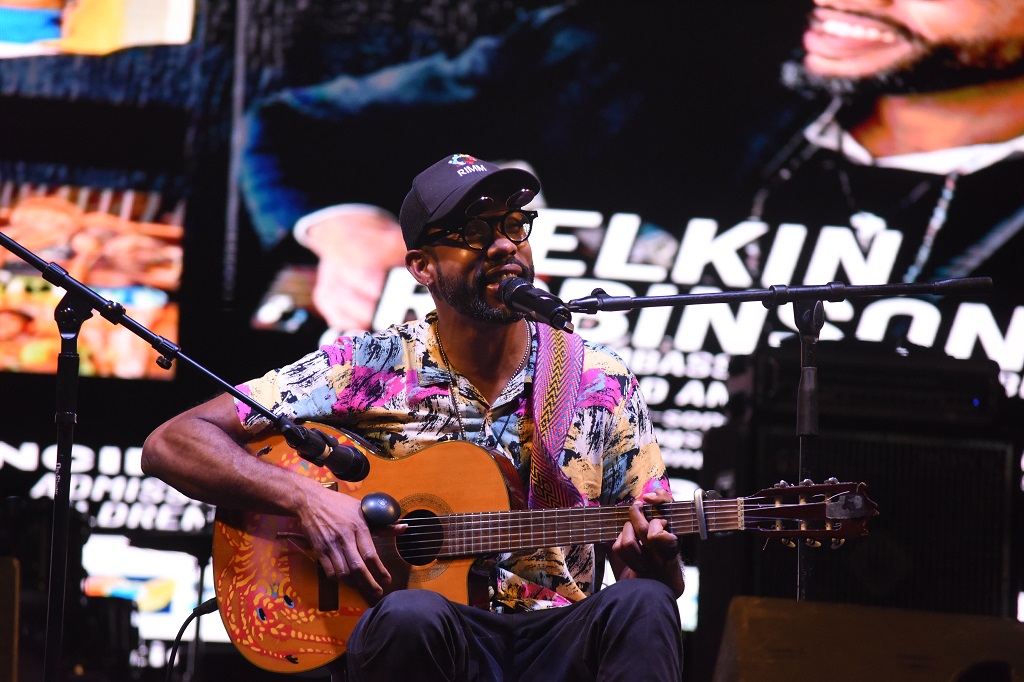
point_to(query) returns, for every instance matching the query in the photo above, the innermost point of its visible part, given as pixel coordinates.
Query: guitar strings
(432, 543)
(712, 508)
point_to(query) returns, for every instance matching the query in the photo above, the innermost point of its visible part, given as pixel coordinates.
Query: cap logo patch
(467, 164)
(461, 159)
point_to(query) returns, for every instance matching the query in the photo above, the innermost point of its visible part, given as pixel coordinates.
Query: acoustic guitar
(460, 501)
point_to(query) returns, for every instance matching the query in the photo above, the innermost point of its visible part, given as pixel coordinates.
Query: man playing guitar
(563, 416)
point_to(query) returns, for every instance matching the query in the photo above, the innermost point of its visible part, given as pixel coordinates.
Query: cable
(208, 606)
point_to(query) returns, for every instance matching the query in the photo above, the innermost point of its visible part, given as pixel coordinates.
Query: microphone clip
(346, 462)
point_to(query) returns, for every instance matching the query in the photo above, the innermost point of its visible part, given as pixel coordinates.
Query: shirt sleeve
(611, 452)
(632, 461)
(307, 389)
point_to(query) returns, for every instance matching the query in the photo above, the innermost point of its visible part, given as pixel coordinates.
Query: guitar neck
(509, 531)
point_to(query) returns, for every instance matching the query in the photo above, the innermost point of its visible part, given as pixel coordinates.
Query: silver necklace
(935, 223)
(452, 380)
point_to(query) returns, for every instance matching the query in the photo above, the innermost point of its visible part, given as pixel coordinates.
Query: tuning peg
(781, 484)
(832, 480)
(807, 481)
(812, 542)
(787, 542)
(838, 542)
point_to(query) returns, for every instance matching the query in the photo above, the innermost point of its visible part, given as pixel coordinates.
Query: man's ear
(421, 266)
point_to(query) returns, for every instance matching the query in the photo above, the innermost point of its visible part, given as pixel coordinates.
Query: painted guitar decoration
(284, 615)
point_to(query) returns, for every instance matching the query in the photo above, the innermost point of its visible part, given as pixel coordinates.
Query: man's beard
(944, 66)
(468, 299)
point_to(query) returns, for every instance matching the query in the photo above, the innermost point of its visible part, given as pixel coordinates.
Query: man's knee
(407, 630)
(642, 598)
(410, 611)
(630, 616)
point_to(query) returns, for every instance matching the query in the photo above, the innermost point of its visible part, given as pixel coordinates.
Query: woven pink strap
(556, 387)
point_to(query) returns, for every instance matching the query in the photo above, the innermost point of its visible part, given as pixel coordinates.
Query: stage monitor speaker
(782, 639)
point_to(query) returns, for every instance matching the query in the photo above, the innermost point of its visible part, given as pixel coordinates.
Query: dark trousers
(627, 631)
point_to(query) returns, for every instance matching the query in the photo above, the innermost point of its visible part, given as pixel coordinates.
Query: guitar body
(278, 607)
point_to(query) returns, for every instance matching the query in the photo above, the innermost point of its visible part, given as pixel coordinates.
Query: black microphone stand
(810, 317)
(809, 313)
(70, 315)
(74, 309)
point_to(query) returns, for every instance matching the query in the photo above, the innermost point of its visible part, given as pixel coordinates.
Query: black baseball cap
(449, 186)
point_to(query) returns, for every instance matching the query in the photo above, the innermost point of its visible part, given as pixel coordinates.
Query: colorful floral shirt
(392, 388)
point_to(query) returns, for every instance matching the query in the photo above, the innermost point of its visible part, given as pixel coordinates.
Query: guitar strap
(556, 386)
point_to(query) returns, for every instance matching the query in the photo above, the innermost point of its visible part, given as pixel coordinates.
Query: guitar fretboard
(510, 531)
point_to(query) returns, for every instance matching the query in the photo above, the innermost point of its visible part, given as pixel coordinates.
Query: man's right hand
(342, 542)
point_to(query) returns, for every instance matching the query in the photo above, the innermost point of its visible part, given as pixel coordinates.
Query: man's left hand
(645, 545)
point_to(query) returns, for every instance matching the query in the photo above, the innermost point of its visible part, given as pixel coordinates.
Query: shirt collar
(826, 132)
(427, 361)
(429, 365)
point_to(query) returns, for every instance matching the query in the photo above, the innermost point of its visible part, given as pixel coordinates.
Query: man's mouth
(847, 42)
(846, 30)
(497, 276)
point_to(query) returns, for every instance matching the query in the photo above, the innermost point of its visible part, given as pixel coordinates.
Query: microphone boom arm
(779, 295)
(310, 444)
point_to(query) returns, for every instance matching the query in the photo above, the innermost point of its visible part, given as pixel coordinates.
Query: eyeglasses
(514, 224)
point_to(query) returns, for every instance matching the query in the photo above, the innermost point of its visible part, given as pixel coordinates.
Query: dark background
(167, 118)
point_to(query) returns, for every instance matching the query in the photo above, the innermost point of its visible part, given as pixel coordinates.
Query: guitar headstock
(814, 511)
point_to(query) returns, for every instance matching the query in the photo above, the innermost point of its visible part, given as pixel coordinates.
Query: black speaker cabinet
(931, 439)
(942, 540)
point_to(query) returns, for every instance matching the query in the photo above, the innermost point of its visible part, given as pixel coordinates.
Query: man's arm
(200, 453)
(644, 548)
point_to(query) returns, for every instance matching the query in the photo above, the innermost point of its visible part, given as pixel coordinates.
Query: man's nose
(501, 244)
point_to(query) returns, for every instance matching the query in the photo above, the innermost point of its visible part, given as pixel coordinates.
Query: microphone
(538, 304)
(346, 462)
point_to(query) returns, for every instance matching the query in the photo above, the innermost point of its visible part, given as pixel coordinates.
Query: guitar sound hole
(421, 542)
